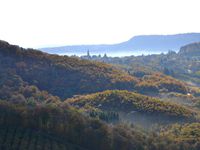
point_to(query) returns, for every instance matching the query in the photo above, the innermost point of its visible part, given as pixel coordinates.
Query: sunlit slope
(127, 102)
(61, 75)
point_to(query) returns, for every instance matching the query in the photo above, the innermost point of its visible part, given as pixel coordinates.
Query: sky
(44, 23)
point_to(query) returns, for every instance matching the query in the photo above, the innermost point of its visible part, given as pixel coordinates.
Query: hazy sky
(37, 23)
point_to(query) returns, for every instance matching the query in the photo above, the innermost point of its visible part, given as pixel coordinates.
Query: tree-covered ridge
(61, 75)
(154, 82)
(157, 82)
(67, 76)
(151, 80)
(128, 101)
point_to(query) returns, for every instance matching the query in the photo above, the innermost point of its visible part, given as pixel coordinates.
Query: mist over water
(111, 54)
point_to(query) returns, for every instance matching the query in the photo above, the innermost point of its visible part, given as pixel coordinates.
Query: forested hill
(31, 119)
(118, 105)
(61, 75)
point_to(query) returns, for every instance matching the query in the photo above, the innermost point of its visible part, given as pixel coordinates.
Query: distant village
(88, 56)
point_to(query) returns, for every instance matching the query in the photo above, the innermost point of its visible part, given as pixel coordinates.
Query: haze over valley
(100, 75)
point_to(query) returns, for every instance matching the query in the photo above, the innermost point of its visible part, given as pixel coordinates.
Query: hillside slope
(13, 89)
(61, 75)
(187, 135)
(133, 105)
(60, 127)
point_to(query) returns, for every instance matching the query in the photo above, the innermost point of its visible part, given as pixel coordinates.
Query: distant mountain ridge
(144, 44)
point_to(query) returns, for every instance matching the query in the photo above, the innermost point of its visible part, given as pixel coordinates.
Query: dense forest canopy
(128, 101)
(59, 102)
(62, 76)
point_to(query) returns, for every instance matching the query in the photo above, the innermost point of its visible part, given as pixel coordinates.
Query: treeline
(107, 116)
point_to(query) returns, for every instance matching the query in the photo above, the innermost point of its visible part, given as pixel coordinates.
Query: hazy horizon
(45, 23)
(81, 44)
